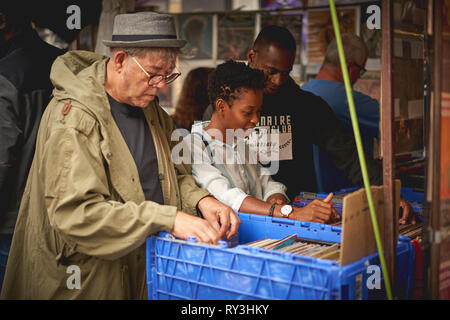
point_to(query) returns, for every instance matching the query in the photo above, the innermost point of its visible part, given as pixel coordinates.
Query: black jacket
(25, 90)
(303, 119)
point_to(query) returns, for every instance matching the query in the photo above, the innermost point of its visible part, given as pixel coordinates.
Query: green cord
(362, 159)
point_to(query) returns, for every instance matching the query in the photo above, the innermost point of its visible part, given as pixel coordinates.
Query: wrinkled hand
(408, 213)
(224, 220)
(186, 225)
(278, 198)
(320, 211)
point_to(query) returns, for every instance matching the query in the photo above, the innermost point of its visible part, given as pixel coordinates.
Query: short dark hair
(276, 36)
(229, 77)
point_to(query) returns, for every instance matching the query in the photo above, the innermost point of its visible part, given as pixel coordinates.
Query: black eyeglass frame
(154, 79)
(362, 70)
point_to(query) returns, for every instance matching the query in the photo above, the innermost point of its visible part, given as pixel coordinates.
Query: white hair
(354, 49)
(172, 53)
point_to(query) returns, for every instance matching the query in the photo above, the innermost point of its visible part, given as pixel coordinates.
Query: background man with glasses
(102, 179)
(329, 85)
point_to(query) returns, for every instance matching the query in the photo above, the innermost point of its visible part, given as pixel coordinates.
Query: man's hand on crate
(186, 225)
(407, 213)
(220, 216)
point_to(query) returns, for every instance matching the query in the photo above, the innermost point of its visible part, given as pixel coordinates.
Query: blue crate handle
(283, 221)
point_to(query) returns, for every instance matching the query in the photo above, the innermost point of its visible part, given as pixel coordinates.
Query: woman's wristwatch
(286, 210)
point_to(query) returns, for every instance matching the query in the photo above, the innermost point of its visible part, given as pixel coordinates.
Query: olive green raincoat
(83, 207)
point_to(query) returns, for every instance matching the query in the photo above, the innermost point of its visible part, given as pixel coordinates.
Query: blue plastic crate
(178, 269)
(412, 196)
(257, 227)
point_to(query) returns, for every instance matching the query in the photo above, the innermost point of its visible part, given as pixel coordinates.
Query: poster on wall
(445, 112)
(409, 105)
(289, 20)
(410, 16)
(409, 136)
(321, 33)
(197, 31)
(236, 33)
(445, 143)
(281, 4)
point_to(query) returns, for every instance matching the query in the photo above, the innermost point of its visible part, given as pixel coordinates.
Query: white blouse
(229, 172)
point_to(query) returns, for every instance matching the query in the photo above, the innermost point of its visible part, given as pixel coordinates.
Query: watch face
(286, 210)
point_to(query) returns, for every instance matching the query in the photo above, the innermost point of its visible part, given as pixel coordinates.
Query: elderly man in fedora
(102, 179)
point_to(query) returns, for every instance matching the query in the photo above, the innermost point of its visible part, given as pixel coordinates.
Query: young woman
(226, 166)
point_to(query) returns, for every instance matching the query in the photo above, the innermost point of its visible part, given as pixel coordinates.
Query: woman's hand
(320, 211)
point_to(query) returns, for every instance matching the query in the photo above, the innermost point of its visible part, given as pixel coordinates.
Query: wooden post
(387, 137)
(435, 149)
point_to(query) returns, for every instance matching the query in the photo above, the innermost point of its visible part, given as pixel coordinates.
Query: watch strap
(272, 208)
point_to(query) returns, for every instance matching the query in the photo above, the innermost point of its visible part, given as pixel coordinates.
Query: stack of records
(412, 231)
(304, 247)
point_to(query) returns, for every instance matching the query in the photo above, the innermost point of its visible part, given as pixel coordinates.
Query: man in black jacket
(25, 90)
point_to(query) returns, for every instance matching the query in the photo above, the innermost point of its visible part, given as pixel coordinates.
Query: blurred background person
(193, 99)
(25, 90)
(329, 85)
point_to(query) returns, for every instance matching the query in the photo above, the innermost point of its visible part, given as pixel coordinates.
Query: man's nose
(161, 84)
(277, 79)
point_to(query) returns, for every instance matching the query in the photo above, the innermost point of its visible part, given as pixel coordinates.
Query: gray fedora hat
(144, 29)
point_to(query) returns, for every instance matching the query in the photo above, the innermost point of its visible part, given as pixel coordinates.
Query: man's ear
(251, 56)
(119, 61)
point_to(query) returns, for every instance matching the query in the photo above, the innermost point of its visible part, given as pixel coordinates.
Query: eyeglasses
(154, 78)
(362, 70)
